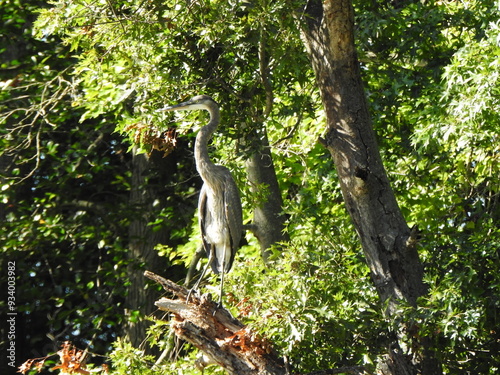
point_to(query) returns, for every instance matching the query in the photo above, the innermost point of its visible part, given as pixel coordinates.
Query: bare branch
(213, 330)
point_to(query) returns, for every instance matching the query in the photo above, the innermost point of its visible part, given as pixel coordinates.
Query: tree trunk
(388, 244)
(141, 250)
(268, 218)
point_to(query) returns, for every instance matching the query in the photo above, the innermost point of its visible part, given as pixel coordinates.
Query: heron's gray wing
(202, 219)
(232, 205)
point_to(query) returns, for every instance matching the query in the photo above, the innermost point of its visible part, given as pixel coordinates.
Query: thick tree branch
(214, 331)
(269, 219)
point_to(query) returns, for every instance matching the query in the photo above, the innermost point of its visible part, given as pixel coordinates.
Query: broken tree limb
(214, 331)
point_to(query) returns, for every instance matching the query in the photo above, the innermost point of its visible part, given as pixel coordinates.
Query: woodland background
(87, 205)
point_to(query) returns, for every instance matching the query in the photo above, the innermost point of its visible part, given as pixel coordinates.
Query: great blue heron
(219, 205)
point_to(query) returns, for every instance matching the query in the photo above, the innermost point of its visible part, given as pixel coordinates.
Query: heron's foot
(219, 306)
(189, 294)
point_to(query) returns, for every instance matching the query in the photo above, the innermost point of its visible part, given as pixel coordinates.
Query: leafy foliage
(305, 298)
(65, 190)
(52, 206)
(431, 72)
(432, 105)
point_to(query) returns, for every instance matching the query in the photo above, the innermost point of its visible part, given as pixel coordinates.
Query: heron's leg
(222, 275)
(201, 276)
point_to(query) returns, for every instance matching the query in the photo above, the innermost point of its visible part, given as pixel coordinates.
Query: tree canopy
(82, 82)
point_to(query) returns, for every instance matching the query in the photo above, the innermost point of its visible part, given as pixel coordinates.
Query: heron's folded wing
(202, 219)
(232, 204)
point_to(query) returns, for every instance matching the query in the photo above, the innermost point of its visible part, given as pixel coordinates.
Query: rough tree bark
(389, 245)
(268, 217)
(212, 329)
(142, 240)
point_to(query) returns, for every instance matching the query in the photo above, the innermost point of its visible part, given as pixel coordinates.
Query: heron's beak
(178, 107)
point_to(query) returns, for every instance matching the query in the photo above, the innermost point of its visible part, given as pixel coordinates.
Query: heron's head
(198, 102)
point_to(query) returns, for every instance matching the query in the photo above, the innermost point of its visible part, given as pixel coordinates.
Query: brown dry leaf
(26, 366)
(158, 140)
(246, 340)
(39, 365)
(71, 360)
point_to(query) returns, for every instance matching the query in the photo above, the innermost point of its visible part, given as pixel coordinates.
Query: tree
(66, 203)
(54, 213)
(389, 245)
(314, 297)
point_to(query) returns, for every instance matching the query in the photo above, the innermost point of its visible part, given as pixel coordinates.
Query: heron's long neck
(203, 163)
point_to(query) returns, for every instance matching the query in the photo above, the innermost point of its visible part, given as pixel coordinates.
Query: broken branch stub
(213, 330)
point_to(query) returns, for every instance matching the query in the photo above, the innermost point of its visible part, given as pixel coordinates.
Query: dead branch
(213, 330)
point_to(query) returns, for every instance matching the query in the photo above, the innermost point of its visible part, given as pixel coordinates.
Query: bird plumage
(219, 205)
(221, 233)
